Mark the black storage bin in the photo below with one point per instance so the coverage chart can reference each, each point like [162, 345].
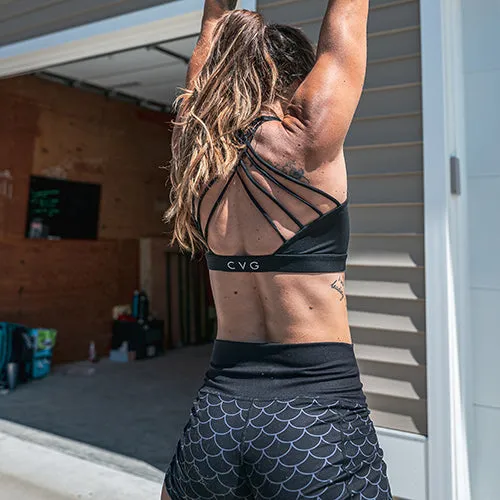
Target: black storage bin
[146, 339]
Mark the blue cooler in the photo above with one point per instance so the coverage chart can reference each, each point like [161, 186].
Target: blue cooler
[44, 340]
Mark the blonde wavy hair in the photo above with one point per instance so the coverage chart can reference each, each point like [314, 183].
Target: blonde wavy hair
[249, 66]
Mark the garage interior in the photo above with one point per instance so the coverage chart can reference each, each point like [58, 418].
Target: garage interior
[102, 121]
[106, 120]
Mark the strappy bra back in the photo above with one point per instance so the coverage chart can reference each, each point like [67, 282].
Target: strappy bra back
[317, 247]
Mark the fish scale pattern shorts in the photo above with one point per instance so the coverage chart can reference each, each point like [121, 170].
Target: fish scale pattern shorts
[234, 448]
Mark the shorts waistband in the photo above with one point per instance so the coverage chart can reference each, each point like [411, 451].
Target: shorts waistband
[273, 370]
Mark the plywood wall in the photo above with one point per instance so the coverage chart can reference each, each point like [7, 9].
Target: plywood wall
[18, 130]
[51, 130]
[68, 285]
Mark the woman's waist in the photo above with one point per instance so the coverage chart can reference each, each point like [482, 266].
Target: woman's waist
[274, 370]
[278, 326]
[281, 308]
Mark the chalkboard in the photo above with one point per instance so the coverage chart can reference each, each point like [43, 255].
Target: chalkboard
[60, 209]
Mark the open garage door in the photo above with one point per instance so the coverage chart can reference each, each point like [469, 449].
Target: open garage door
[170, 20]
[140, 54]
[150, 75]
[24, 19]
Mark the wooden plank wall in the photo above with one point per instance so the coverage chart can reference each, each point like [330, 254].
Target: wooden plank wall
[47, 129]
[68, 285]
[51, 130]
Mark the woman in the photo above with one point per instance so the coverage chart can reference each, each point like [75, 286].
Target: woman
[259, 183]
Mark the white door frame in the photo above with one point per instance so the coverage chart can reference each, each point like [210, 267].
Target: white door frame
[446, 251]
[140, 28]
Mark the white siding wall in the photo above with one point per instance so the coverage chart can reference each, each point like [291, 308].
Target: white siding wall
[481, 21]
[385, 279]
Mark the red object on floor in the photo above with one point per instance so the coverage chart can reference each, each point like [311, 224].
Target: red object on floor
[127, 317]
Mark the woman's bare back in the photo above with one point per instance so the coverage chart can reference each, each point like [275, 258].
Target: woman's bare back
[275, 307]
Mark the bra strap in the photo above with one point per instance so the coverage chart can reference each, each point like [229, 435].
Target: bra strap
[254, 126]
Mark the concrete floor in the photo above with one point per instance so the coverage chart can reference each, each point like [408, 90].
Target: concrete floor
[19, 489]
[38, 466]
[105, 436]
[137, 410]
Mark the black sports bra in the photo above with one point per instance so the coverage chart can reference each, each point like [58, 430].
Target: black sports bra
[318, 247]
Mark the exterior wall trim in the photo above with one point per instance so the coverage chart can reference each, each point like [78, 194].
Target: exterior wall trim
[407, 475]
[445, 224]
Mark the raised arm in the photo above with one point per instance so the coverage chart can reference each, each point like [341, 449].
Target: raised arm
[325, 103]
[214, 10]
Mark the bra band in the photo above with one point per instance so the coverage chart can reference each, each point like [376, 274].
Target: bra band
[307, 264]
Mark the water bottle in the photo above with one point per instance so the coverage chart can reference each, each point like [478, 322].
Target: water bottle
[12, 373]
[135, 304]
[92, 353]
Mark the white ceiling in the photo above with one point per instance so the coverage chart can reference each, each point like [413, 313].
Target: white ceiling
[145, 73]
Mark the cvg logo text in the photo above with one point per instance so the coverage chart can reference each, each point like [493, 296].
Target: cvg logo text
[243, 265]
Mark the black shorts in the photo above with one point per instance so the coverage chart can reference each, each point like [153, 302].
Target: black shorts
[267, 443]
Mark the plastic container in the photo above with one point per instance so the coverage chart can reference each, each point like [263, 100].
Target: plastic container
[44, 340]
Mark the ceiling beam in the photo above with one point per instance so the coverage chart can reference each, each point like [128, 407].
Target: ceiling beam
[132, 49]
[109, 93]
[170, 53]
